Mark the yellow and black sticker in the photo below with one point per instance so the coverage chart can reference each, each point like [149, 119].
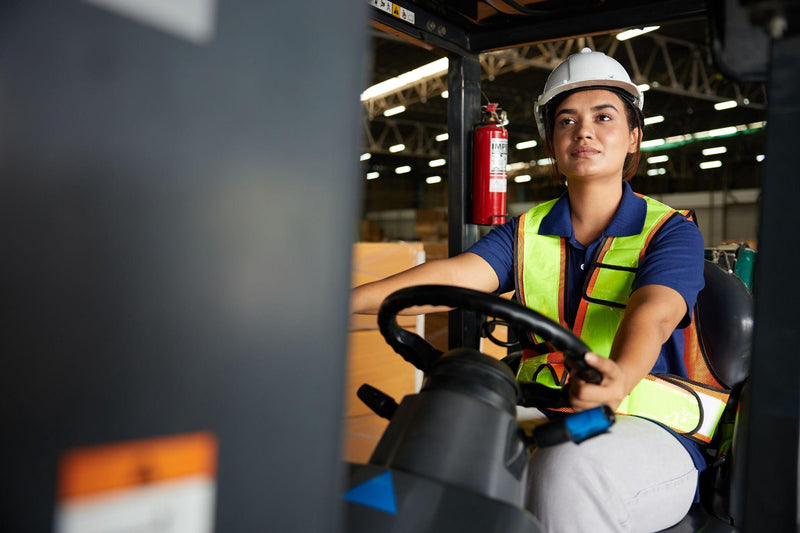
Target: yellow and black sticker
[394, 10]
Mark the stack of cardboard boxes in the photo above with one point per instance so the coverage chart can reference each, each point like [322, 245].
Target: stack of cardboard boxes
[370, 359]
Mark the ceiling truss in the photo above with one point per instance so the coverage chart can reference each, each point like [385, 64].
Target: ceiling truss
[418, 138]
[668, 65]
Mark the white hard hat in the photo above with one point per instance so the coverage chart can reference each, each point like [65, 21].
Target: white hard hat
[585, 69]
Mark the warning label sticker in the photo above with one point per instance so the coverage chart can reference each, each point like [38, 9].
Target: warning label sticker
[394, 9]
[498, 156]
[165, 484]
[498, 185]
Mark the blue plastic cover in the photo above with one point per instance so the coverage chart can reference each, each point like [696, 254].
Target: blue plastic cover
[587, 423]
[377, 492]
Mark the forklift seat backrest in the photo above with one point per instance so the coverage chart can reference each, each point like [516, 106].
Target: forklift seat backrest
[724, 319]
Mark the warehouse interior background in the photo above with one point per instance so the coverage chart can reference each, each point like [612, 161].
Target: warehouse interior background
[703, 147]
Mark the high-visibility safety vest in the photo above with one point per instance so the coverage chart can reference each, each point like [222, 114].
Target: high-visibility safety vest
[691, 407]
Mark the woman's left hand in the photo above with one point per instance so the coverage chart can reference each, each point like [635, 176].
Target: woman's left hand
[610, 391]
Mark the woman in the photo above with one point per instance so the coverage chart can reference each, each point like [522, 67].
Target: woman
[640, 476]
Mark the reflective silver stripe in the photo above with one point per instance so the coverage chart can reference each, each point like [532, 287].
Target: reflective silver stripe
[712, 412]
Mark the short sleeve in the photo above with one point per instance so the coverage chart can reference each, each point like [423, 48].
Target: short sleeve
[497, 249]
[675, 260]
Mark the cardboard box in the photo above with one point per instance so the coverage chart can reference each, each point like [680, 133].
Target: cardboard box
[370, 359]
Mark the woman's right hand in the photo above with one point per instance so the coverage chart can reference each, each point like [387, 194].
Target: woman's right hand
[610, 391]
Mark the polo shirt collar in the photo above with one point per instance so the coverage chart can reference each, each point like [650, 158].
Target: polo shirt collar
[627, 221]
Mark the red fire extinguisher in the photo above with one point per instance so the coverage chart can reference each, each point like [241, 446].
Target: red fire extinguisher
[489, 180]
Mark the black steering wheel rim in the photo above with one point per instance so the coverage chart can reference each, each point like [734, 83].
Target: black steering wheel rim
[421, 354]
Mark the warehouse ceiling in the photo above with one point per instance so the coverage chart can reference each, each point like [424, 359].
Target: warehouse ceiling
[674, 61]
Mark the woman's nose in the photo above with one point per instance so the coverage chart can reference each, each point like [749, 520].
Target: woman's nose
[584, 131]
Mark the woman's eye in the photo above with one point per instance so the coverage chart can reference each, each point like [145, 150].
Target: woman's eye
[603, 116]
[566, 121]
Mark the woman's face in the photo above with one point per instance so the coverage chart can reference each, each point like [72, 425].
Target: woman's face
[591, 136]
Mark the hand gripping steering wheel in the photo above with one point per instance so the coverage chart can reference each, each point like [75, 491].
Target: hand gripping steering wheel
[422, 355]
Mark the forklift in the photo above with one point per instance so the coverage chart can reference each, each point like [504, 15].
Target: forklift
[428, 462]
[177, 199]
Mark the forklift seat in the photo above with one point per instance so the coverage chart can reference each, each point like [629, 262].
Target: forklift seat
[724, 321]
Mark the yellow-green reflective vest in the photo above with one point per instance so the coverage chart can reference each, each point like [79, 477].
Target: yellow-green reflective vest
[691, 406]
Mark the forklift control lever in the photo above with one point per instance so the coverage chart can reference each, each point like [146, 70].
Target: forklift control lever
[381, 403]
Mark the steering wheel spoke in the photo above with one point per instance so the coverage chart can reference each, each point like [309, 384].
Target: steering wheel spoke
[422, 355]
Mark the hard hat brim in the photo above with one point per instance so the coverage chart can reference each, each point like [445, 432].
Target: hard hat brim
[618, 87]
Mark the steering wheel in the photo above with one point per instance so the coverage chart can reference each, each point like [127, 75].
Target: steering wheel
[422, 355]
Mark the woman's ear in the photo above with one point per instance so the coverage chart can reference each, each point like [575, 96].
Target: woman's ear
[635, 141]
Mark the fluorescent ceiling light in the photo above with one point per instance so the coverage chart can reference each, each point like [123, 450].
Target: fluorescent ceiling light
[397, 148]
[526, 144]
[714, 151]
[517, 166]
[435, 69]
[430, 180]
[760, 157]
[372, 175]
[653, 120]
[719, 106]
[644, 87]
[366, 156]
[658, 159]
[442, 137]
[719, 132]
[678, 138]
[445, 94]
[437, 163]
[656, 171]
[710, 164]
[630, 34]
[522, 178]
[545, 161]
[652, 142]
[402, 170]
[394, 111]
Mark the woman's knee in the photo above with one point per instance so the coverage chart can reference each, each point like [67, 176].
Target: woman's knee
[569, 490]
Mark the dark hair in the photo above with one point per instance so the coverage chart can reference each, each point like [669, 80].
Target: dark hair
[632, 113]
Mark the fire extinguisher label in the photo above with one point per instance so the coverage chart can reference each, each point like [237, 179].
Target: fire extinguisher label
[498, 185]
[498, 156]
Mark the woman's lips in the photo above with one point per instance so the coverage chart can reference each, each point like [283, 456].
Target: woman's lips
[584, 151]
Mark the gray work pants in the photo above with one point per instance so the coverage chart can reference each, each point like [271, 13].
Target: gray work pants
[635, 478]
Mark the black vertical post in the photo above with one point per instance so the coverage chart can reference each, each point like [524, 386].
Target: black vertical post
[463, 111]
[176, 222]
[769, 486]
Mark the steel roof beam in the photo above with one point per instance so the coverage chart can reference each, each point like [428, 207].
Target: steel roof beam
[419, 138]
[691, 75]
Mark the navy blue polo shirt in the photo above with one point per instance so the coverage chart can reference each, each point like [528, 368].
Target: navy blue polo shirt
[675, 260]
